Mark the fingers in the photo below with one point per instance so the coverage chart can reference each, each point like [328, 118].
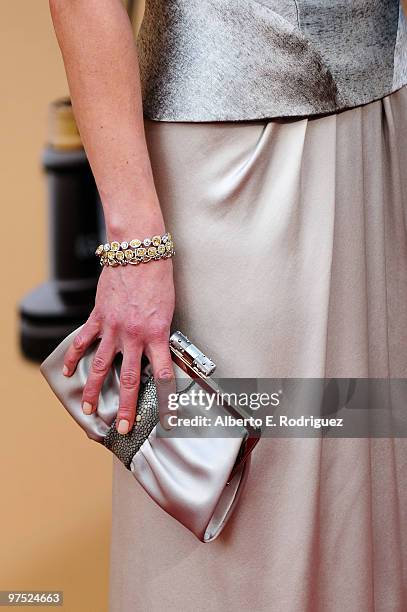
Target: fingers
[99, 369]
[129, 387]
[81, 342]
[131, 345]
[160, 358]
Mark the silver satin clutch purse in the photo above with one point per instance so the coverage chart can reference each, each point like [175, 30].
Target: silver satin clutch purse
[196, 479]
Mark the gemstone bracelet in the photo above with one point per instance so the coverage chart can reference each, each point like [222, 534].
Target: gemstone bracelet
[136, 251]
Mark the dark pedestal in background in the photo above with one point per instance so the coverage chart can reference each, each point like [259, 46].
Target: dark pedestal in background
[51, 311]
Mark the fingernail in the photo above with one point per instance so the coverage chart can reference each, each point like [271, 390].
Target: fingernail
[87, 408]
[65, 370]
[123, 426]
[165, 422]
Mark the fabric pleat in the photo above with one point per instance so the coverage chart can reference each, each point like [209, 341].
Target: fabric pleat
[291, 262]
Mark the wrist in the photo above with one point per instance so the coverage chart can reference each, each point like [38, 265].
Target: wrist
[134, 226]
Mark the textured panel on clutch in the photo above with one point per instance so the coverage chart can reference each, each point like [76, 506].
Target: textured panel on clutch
[126, 446]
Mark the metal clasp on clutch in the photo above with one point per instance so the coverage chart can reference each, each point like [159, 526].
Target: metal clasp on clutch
[191, 355]
[197, 365]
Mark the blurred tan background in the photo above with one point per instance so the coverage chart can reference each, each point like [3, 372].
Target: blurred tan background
[56, 484]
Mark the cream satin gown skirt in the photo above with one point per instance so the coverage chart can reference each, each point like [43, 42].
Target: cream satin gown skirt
[291, 261]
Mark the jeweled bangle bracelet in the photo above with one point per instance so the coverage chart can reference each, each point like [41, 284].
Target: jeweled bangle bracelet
[136, 251]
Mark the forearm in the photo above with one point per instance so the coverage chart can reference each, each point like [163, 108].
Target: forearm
[97, 45]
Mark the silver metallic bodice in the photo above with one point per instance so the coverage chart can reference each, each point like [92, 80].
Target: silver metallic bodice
[220, 60]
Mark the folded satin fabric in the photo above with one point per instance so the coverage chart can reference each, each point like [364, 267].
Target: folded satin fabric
[188, 477]
[292, 259]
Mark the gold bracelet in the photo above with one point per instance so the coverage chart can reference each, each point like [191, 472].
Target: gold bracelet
[136, 251]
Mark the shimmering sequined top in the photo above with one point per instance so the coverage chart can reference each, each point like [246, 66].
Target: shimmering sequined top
[220, 60]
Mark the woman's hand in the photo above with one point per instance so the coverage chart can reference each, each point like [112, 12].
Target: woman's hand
[134, 304]
[132, 315]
